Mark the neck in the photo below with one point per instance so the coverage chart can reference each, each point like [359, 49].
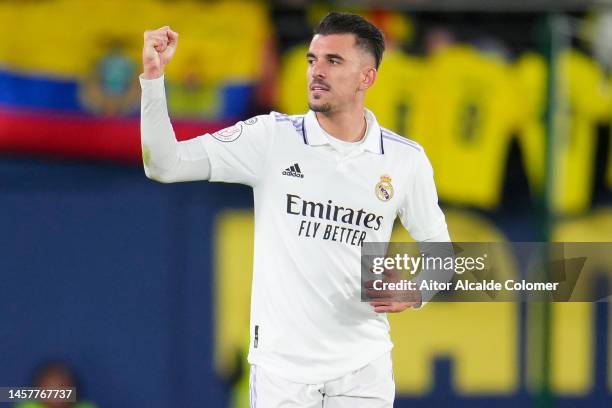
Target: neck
[348, 126]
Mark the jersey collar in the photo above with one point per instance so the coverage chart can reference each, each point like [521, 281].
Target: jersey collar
[314, 135]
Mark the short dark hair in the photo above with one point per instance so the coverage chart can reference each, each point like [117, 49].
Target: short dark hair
[368, 36]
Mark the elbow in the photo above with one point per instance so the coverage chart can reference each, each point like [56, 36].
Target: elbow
[156, 169]
[158, 175]
[151, 173]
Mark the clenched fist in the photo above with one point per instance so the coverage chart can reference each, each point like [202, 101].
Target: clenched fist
[159, 47]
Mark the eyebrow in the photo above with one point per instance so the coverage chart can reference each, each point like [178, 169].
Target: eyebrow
[328, 56]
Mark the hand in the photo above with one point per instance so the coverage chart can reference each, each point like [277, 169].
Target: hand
[392, 301]
[158, 50]
[392, 307]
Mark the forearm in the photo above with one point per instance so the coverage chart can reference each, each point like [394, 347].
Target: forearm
[441, 237]
[438, 246]
[164, 158]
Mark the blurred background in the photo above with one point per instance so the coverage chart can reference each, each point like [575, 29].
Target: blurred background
[139, 292]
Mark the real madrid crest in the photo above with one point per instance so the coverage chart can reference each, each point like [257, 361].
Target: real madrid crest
[384, 189]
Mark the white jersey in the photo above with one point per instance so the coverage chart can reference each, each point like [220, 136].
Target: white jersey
[314, 208]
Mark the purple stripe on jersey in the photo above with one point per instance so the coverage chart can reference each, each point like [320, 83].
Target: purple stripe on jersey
[391, 134]
[382, 149]
[297, 125]
[402, 142]
[398, 137]
[281, 117]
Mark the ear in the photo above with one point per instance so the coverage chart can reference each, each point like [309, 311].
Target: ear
[368, 78]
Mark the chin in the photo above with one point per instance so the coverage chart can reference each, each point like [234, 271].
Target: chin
[319, 107]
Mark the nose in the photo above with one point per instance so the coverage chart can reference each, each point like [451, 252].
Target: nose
[317, 70]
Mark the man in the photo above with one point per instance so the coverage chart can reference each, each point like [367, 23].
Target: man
[324, 183]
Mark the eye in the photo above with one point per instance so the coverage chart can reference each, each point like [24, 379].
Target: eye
[310, 61]
[334, 62]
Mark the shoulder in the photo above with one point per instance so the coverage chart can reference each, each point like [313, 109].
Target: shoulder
[400, 144]
[285, 118]
[276, 119]
[284, 122]
[404, 152]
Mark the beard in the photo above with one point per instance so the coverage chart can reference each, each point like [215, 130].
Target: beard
[322, 108]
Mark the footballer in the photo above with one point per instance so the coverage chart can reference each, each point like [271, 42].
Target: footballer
[324, 183]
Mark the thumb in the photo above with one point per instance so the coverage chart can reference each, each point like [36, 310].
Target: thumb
[172, 38]
[171, 47]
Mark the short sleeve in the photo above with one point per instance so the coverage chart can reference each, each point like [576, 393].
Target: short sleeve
[419, 212]
[238, 154]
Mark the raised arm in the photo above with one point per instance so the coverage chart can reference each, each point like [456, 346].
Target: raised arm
[165, 159]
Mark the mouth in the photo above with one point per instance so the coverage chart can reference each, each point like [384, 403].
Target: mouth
[319, 88]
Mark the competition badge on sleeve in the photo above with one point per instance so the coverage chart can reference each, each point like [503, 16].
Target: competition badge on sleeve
[228, 134]
[384, 189]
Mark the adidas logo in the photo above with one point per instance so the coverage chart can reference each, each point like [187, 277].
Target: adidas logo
[293, 171]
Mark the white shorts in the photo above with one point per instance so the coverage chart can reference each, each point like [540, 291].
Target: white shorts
[371, 386]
